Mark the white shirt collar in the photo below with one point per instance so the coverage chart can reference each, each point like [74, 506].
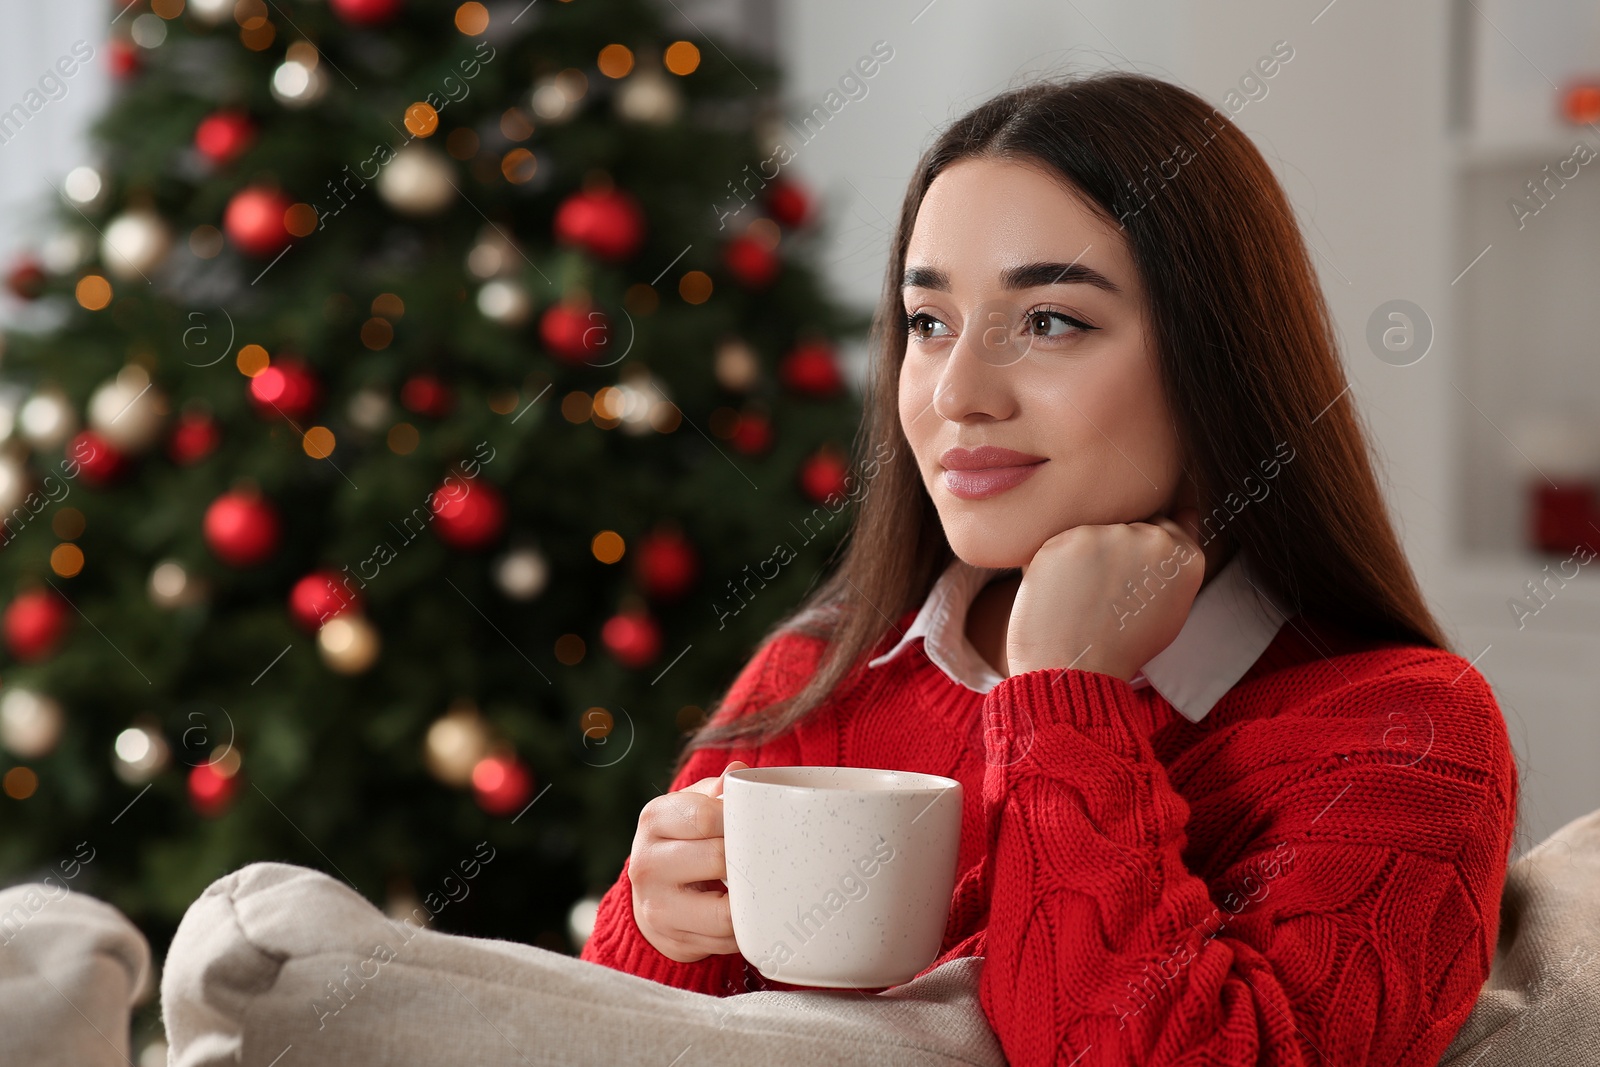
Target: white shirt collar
[1230, 624]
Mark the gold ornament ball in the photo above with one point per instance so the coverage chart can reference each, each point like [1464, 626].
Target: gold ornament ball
[556, 96]
[522, 573]
[737, 367]
[492, 254]
[47, 419]
[30, 723]
[134, 245]
[348, 643]
[419, 180]
[369, 410]
[14, 482]
[65, 252]
[128, 411]
[455, 743]
[211, 12]
[172, 586]
[140, 753]
[649, 97]
[580, 919]
[299, 82]
[505, 301]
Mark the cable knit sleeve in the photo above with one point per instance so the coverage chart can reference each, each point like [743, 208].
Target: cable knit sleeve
[616, 940]
[1352, 916]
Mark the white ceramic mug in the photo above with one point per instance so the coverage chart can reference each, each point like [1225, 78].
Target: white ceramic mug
[840, 876]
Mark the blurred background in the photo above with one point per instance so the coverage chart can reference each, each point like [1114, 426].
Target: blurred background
[402, 400]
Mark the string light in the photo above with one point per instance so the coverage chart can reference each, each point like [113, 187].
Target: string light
[682, 57]
[318, 442]
[93, 292]
[607, 546]
[472, 18]
[615, 61]
[421, 119]
[252, 360]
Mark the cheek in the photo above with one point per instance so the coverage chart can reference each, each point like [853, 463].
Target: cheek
[1112, 417]
[916, 406]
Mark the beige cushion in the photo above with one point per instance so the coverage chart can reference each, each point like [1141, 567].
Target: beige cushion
[1541, 1004]
[280, 964]
[71, 969]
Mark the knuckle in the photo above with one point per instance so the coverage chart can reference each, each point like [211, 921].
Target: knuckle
[648, 912]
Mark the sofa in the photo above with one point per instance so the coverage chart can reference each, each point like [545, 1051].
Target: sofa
[72, 969]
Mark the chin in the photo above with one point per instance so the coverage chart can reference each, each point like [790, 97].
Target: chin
[990, 547]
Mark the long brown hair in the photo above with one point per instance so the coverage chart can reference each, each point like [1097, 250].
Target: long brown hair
[1247, 355]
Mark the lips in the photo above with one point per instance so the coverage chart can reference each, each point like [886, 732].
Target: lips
[976, 473]
[985, 457]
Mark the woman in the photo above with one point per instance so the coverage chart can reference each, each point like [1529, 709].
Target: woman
[1121, 567]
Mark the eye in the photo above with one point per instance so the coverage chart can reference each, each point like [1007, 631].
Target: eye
[1044, 323]
[924, 327]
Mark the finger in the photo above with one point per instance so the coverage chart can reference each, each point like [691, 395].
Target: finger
[684, 815]
[1182, 535]
[704, 915]
[686, 861]
[712, 784]
[697, 946]
[735, 765]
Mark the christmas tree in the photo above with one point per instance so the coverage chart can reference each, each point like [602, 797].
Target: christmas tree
[417, 413]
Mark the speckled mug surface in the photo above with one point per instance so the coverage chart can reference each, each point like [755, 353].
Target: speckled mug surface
[839, 876]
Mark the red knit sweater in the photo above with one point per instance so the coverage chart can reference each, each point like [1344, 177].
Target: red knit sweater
[1309, 875]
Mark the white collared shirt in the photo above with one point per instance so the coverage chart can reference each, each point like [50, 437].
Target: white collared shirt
[1230, 624]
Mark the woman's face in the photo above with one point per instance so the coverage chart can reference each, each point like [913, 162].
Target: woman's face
[1028, 332]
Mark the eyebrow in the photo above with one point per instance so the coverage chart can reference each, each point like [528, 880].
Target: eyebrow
[1027, 276]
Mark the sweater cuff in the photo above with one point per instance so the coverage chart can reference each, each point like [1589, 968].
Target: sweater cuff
[1102, 707]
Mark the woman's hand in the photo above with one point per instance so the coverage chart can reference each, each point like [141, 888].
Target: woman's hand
[676, 868]
[1076, 608]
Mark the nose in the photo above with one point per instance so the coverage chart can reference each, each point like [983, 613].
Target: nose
[974, 383]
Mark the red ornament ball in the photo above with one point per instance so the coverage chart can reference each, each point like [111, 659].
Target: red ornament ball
[574, 333]
[223, 136]
[812, 369]
[1580, 103]
[822, 475]
[34, 624]
[286, 388]
[470, 514]
[666, 564]
[254, 223]
[210, 791]
[194, 437]
[26, 279]
[99, 463]
[753, 264]
[125, 61]
[318, 597]
[501, 784]
[788, 203]
[366, 12]
[633, 638]
[426, 394]
[608, 224]
[241, 528]
[752, 434]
